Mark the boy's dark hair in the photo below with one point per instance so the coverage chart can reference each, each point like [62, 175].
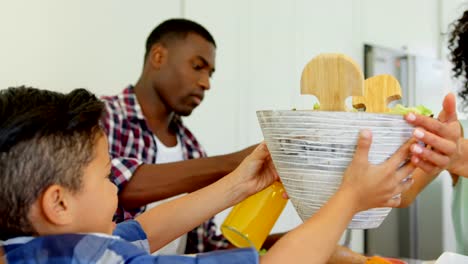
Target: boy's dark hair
[46, 138]
[177, 28]
[458, 46]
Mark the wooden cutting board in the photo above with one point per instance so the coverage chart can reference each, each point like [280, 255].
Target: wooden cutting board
[379, 91]
[332, 78]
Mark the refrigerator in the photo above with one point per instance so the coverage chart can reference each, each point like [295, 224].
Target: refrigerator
[422, 231]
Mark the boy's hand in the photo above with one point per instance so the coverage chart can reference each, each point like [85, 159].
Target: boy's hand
[256, 172]
[377, 185]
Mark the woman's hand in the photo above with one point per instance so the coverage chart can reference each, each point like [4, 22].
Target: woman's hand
[377, 185]
[448, 150]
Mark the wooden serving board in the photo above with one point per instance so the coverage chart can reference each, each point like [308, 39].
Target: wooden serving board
[379, 91]
[332, 78]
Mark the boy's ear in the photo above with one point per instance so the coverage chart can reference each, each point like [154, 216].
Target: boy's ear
[56, 205]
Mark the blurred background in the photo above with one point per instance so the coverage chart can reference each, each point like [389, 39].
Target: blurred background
[263, 46]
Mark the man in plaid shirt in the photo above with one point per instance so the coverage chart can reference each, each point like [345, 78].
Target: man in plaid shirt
[154, 156]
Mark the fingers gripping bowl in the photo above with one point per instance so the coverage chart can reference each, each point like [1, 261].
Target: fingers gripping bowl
[311, 150]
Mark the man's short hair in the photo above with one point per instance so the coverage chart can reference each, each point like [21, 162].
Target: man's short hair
[46, 138]
[177, 28]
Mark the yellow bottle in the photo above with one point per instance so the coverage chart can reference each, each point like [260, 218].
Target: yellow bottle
[250, 222]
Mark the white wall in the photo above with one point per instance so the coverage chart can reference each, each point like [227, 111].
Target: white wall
[262, 47]
[62, 45]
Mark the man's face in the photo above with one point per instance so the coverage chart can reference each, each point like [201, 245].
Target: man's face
[96, 202]
[185, 75]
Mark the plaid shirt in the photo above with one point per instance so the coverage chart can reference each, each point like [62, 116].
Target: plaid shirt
[132, 143]
[128, 245]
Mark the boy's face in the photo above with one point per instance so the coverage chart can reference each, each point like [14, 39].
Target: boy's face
[95, 204]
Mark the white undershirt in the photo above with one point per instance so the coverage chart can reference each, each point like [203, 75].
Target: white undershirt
[165, 155]
[168, 154]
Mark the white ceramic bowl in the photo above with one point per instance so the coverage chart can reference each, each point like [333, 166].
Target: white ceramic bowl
[311, 150]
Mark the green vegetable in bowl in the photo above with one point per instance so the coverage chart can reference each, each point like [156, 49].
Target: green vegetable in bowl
[402, 110]
[317, 107]
[398, 110]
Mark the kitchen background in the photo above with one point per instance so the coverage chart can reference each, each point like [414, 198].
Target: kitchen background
[262, 47]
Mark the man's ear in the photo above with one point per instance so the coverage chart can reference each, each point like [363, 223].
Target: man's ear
[157, 56]
[57, 205]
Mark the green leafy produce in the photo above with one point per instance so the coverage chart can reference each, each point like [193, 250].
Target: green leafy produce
[402, 110]
[398, 110]
[262, 252]
[317, 107]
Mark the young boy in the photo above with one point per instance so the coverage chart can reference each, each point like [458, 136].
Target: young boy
[57, 203]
